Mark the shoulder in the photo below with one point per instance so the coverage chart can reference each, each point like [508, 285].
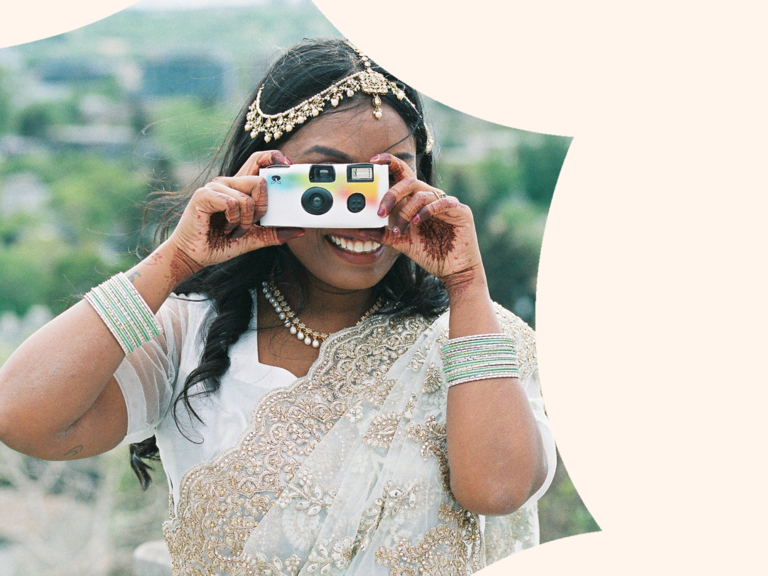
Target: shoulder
[525, 338]
[188, 304]
[182, 313]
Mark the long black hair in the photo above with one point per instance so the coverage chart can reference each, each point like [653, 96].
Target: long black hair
[299, 73]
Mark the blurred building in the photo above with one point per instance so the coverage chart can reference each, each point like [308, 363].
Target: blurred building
[22, 193]
[209, 77]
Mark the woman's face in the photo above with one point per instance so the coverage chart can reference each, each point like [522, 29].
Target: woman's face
[348, 135]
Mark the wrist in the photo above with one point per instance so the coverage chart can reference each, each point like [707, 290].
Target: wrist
[181, 265]
[470, 283]
[163, 270]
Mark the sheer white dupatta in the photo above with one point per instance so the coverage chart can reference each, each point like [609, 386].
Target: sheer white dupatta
[345, 471]
[373, 496]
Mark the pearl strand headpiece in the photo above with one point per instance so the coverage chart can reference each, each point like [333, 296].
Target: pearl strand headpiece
[369, 81]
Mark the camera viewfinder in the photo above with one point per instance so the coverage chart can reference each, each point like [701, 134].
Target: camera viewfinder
[322, 173]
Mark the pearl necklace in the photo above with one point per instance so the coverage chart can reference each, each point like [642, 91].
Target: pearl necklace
[292, 322]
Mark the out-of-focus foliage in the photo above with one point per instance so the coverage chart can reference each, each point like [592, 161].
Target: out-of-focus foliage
[188, 130]
[5, 102]
[83, 229]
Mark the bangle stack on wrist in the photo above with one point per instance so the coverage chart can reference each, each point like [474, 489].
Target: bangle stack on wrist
[479, 357]
[124, 311]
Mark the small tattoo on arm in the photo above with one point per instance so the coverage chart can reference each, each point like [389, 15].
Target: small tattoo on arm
[74, 451]
[133, 276]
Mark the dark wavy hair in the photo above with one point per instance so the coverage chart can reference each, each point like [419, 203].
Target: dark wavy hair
[299, 73]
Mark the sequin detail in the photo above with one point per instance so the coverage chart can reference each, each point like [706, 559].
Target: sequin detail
[221, 501]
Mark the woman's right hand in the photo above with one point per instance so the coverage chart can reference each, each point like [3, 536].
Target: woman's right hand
[219, 223]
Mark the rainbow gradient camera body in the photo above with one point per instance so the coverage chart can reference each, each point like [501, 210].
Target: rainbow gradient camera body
[325, 195]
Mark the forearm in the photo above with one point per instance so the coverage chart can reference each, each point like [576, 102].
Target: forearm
[57, 374]
[495, 450]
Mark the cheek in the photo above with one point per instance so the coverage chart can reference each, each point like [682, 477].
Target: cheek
[388, 258]
[307, 246]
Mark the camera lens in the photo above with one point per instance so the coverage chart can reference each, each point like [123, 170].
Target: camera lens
[317, 200]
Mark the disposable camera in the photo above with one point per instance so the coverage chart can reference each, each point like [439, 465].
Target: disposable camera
[325, 195]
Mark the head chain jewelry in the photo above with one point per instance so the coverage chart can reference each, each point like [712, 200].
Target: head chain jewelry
[368, 81]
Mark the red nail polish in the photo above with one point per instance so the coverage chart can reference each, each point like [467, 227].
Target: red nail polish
[375, 158]
[415, 219]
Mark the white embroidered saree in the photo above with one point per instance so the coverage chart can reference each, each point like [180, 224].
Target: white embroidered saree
[345, 470]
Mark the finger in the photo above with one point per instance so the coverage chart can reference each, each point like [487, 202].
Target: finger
[211, 202]
[260, 236]
[253, 186]
[398, 192]
[436, 207]
[387, 237]
[246, 204]
[411, 208]
[397, 168]
[262, 159]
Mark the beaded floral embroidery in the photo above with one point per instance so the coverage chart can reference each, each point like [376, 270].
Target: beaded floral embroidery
[226, 519]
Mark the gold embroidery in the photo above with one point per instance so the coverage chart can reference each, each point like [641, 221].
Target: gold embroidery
[320, 557]
[312, 498]
[222, 500]
[389, 504]
[432, 434]
[275, 567]
[525, 339]
[433, 437]
[434, 380]
[379, 392]
[505, 535]
[418, 359]
[453, 547]
[382, 430]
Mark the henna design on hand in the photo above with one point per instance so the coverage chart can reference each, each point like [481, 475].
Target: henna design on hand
[217, 231]
[439, 237]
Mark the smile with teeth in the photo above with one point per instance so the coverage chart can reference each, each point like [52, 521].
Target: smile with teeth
[356, 246]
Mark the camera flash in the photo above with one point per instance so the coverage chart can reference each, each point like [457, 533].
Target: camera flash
[362, 173]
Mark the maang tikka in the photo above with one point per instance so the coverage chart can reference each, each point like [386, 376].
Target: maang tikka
[368, 81]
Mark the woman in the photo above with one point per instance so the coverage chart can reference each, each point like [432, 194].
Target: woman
[371, 436]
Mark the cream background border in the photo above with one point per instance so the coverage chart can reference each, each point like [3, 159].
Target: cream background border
[652, 287]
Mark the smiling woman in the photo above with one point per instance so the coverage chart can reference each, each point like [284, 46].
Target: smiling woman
[339, 400]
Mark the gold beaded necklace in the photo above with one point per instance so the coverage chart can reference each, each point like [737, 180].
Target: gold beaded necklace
[291, 321]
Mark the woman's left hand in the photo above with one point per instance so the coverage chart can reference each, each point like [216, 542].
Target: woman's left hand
[436, 231]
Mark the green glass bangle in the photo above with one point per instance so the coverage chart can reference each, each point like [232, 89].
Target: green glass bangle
[479, 357]
[124, 312]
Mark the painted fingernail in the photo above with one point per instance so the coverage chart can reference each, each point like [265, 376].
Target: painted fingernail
[287, 161]
[415, 219]
[396, 231]
[382, 211]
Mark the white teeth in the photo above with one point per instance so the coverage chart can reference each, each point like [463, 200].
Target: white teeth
[357, 246]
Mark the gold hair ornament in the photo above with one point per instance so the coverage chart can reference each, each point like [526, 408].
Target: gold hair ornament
[368, 81]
